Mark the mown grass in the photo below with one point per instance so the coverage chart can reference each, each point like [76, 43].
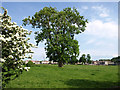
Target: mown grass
[69, 76]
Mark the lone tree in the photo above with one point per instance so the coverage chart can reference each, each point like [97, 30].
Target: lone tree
[58, 29]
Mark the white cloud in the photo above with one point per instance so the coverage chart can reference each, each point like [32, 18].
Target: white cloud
[99, 43]
[85, 7]
[39, 53]
[108, 19]
[102, 11]
[82, 9]
[104, 15]
[99, 53]
[90, 41]
[100, 29]
[115, 55]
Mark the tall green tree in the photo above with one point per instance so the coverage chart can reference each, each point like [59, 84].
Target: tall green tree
[82, 59]
[58, 29]
[88, 59]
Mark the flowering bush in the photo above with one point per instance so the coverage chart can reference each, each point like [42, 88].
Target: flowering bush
[15, 46]
[27, 68]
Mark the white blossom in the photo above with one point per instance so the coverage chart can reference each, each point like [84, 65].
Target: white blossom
[20, 51]
[21, 68]
[17, 35]
[2, 60]
[20, 56]
[8, 39]
[27, 50]
[27, 68]
[14, 23]
[30, 56]
[15, 43]
[10, 56]
[15, 62]
[1, 38]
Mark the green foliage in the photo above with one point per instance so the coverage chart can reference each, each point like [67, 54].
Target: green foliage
[30, 64]
[88, 59]
[58, 29]
[84, 59]
[104, 59]
[73, 60]
[40, 62]
[24, 63]
[116, 60]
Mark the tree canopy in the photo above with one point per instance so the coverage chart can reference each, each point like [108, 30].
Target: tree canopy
[116, 60]
[88, 59]
[85, 58]
[58, 28]
[82, 59]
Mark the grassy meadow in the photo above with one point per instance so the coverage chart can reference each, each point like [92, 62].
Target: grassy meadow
[69, 76]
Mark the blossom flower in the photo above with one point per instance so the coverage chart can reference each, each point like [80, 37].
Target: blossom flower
[27, 68]
[8, 39]
[10, 56]
[2, 60]
[15, 43]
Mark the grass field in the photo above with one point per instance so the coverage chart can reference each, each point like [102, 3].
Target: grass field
[69, 76]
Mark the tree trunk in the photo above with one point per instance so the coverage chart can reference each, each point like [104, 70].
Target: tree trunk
[60, 63]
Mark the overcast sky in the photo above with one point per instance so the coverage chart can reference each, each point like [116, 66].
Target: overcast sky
[100, 38]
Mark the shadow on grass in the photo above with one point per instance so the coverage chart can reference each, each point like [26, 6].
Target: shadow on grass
[82, 83]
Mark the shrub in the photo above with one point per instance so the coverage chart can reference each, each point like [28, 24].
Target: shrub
[30, 64]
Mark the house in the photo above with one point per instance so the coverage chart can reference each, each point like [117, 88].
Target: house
[51, 62]
[42, 62]
[102, 62]
[35, 62]
[94, 62]
[45, 62]
[111, 63]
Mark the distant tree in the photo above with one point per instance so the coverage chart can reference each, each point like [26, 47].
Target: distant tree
[58, 28]
[104, 59]
[40, 62]
[88, 59]
[73, 60]
[82, 59]
[30, 64]
[116, 59]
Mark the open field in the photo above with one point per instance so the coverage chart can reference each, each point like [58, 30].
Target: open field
[69, 76]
